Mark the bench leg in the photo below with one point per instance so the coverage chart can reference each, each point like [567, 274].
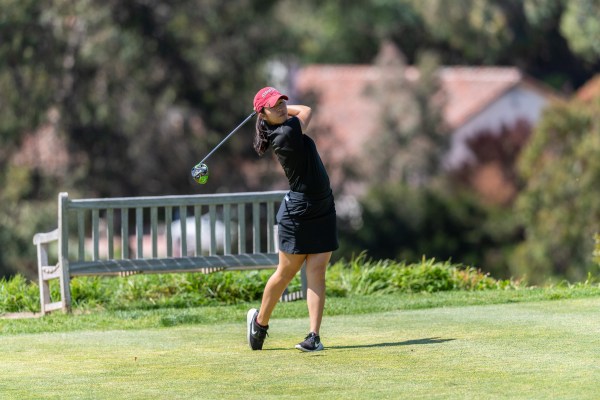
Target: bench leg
[65, 288]
[42, 253]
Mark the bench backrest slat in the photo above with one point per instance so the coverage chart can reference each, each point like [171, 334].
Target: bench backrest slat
[212, 210]
[256, 226]
[241, 228]
[124, 233]
[183, 219]
[155, 235]
[183, 200]
[110, 233]
[168, 227]
[270, 228]
[154, 230]
[96, 233]
[80, 235]
[139, 232]
[197, 230]
[227, 222]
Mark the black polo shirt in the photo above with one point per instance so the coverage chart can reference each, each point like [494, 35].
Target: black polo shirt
[297, 154]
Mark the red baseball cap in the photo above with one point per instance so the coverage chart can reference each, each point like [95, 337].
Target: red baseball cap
[267, 97]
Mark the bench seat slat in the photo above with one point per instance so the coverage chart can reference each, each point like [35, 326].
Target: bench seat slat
[180, 264]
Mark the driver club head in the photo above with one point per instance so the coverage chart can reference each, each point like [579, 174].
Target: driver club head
[200, 173]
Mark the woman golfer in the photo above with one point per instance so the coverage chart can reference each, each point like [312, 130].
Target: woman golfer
[306, 219]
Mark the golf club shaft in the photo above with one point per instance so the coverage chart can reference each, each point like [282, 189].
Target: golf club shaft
[228, 136]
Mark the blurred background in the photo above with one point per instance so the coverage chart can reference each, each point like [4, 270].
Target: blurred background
[466, 130]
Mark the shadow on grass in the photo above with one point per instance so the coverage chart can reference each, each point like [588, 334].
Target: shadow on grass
[433, 340]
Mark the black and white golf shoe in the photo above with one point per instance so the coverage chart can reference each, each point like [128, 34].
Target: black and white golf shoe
[312, 342]
[256, 333]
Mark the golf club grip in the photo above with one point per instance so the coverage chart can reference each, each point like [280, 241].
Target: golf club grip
[228, 136]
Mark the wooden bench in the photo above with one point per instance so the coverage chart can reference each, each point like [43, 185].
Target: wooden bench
[94, 237]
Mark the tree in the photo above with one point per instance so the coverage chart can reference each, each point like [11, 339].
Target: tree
[404, 223]
[476, 29]
[339, 31]
[558, 207]
[581, 26]
[136, 90]
[411, 139]
[409, 209]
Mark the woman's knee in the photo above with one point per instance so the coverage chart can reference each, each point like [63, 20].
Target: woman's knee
[289, 265]
[317, 262]
[284, 274]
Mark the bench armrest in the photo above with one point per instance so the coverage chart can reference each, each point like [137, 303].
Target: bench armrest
[47, 237]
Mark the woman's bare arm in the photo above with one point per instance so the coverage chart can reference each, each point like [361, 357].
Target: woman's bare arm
[304, 114]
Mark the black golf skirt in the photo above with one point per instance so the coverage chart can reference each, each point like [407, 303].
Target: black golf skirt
[307, 224]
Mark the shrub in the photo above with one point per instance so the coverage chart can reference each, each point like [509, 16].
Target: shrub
[597, 249]
[365, 276]
[400, 222]
[558, 206]
[17, 294]
[169, 290]
[359, 276]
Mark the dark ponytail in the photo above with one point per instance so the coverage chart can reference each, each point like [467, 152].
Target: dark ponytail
[261, 142]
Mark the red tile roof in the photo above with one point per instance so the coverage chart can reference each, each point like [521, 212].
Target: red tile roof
[344, 107]
[342, 104]
[467, 89]
[590, 90]
[344, 110]
[470, 89]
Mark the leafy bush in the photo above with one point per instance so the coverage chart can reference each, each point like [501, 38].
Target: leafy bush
[597, 249]
[360, 276]
[17, 294]
[363, 276]
[558, 207]
[400, 222]
[169, 290]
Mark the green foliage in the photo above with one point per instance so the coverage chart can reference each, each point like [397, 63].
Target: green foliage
[351, 32]
[19, 221]
[581, 26]
[169, 290]
[597, 249]
[18, 294]
[559, 206]
[365, 277]
[360, 276]
[411, 140]
[137, 90]
[406, 223]
[480, 28]
[28, 69]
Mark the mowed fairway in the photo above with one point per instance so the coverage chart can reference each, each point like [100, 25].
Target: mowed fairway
[548, 349]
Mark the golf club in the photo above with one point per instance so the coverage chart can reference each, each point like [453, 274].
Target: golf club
[200, 170]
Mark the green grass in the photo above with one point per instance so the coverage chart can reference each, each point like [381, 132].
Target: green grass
[534, 343]
[134, 318]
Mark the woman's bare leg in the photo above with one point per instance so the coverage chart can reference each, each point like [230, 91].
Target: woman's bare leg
[316, 266]
[288, 267]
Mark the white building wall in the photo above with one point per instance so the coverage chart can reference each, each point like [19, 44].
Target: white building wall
[519, 103]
